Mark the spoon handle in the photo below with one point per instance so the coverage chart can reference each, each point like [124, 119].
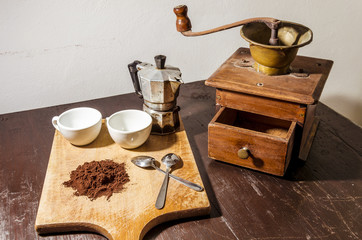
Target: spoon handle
[185, 182]
[161, 198]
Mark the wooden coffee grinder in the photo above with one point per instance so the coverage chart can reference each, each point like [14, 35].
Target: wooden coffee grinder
[266, 96]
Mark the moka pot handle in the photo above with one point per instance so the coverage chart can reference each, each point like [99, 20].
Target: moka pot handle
[132, 67]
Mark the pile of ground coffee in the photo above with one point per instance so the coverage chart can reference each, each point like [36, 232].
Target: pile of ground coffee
[98, 178]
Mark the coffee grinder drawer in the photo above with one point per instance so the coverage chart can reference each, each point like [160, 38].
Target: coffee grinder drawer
[251, 140]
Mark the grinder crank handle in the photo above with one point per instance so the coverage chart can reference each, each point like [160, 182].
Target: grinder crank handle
[183, 25]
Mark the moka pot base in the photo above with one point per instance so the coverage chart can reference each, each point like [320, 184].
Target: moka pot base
[163, 122]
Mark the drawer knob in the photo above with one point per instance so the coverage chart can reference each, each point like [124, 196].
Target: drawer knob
[243, 153]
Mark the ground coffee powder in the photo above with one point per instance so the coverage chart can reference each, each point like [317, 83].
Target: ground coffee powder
[98, 178]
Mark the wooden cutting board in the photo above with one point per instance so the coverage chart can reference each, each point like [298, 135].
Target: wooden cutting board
[130, 213]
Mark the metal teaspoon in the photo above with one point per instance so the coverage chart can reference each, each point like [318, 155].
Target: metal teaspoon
[147, 161]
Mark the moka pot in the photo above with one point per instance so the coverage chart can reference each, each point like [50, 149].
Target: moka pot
[159, 87]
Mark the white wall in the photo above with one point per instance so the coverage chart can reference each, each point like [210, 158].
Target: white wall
[62, 51]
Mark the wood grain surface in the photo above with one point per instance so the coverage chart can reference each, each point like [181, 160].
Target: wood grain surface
[260, 105]
[236, 74]
[130, 213]
[318, 199]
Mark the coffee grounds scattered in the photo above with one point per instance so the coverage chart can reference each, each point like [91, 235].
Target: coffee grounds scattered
[98, 178]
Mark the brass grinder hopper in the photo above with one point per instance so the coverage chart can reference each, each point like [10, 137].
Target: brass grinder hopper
[273, 43]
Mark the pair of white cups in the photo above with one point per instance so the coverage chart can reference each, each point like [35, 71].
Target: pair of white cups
[81, 126]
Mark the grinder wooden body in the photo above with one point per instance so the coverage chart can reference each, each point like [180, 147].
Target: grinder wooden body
[262, 122]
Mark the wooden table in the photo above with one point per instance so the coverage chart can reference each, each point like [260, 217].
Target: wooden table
[321, 199]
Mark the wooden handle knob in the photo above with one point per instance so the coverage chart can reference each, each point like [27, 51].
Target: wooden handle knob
[183, 22]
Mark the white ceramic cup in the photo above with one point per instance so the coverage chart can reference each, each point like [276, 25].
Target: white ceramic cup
[129, 128]
[80, 126]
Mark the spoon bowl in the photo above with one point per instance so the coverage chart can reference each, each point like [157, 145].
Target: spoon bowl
[143, 161]
[170, 159]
